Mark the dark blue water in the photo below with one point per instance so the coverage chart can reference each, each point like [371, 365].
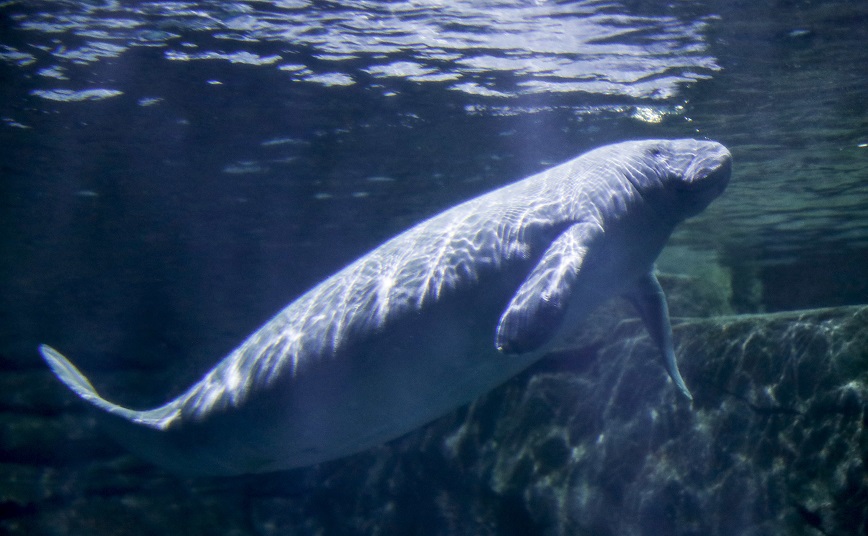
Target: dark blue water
[173, 173]
[190, 167]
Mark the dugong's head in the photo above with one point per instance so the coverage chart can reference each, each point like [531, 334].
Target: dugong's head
[685, 175]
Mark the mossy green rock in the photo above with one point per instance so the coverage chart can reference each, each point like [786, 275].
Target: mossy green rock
[593, 441]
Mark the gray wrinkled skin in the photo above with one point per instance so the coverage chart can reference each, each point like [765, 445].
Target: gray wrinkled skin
[435, 316]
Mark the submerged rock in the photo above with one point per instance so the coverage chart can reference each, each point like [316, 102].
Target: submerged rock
[594, 440]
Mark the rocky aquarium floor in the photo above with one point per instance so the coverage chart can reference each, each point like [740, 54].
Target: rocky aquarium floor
[593, 441]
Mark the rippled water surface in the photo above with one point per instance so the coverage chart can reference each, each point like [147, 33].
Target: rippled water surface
[191, 166]
[477, 47]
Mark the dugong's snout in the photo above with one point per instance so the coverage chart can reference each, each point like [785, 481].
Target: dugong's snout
[704, 178]
[710, 168]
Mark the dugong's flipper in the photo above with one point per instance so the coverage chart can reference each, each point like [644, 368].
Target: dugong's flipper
[649, 299]
[156, 418]
[541, 302]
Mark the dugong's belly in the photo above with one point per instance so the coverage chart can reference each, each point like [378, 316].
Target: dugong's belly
[377, 388]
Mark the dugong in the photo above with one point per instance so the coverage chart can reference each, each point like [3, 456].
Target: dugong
[434, 317]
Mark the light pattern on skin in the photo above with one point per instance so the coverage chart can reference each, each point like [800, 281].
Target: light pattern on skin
[436, 256]
[550, 216]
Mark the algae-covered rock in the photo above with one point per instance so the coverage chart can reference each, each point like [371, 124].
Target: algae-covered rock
[592, 441]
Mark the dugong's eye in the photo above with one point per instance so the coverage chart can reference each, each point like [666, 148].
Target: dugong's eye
[654, 152]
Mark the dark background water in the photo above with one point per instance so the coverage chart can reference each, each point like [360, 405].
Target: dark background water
[172, 174]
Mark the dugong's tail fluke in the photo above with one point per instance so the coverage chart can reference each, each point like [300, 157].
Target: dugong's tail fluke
[158, 418]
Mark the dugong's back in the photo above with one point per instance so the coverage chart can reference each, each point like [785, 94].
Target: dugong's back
[407, 332]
